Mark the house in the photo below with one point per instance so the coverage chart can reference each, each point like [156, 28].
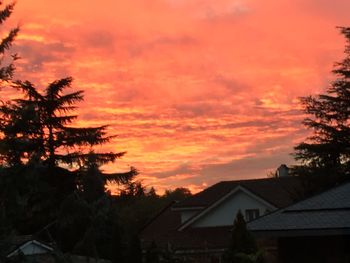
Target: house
[30, 248]
[27, 246]
[198, 228]
[316, 229]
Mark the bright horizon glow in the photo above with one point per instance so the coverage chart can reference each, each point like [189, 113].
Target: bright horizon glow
[197, 91]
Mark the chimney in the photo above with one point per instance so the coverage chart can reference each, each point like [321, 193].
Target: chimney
[282, 171]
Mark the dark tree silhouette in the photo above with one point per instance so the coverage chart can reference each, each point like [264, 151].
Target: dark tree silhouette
[37, 190]
[178, 194]
[6, 71]
[36, 144]
[241, 240]
[242, 247]
[36, 128]
[327, 151]
[50, 120]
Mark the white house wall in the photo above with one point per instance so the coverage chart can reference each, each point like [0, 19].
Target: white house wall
[225, 213]
[31, 248]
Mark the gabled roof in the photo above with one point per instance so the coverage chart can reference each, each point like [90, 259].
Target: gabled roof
[328, 211]
[163, 229]
[11, 243]
[20, 244]
[211, 207]
[279, 192]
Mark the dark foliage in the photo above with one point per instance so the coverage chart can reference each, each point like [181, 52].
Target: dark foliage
[242, 248]
[137, 206]
[178, 194]
[242, 241]
[326, 153]
[37, 128]
[34, 177]
[36, 187]
[6, 71]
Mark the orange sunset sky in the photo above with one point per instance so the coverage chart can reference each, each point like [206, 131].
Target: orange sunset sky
[198, 91]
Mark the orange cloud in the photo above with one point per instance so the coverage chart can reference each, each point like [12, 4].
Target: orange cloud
[198, 91]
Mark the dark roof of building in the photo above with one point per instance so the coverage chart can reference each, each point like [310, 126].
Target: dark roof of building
[163, 229]
[326, 211]
[279, 192]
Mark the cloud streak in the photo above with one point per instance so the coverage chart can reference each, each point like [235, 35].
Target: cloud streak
[198, 91]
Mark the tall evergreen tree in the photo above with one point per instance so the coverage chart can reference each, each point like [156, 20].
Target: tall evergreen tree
[6, 71]
[242, 247]
[52, 112]
[327, 151]
[38, 128]
[242, 241]
[36, 144]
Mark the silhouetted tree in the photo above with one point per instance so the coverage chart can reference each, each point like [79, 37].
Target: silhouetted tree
[242, 247]
[13, 190]
[92, 181]
[47, 119]
[73, 220]
[6, 71]
[178, 194]
[91, 228]
[37, 191]
[36, 144]
[36, 129]
[152, 193]
[134, 189]
[241, 239]
[327, 151]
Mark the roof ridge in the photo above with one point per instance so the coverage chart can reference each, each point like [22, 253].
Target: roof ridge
[256, 179]
[226, 186]
[316, 209]
[169, 205]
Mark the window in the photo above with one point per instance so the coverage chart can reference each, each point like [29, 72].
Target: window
[251, 214]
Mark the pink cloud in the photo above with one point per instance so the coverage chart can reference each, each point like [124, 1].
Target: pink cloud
[212, 84]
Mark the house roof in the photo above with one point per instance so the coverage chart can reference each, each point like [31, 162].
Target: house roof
[163, 229]
[217, 203]
[329, 210]
[279, 192]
